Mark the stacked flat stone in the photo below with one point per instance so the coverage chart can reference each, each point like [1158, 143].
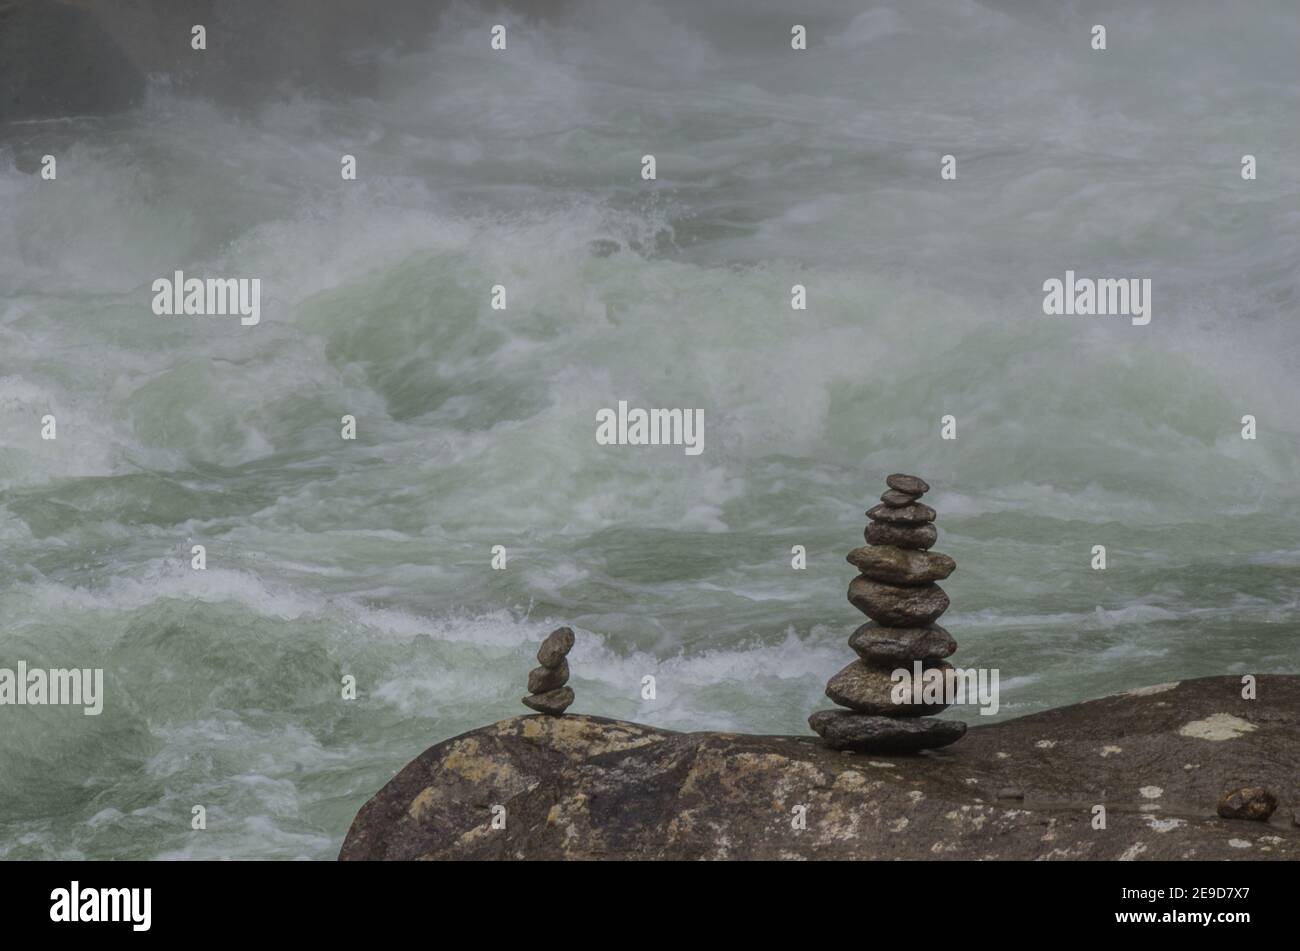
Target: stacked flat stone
[546, 684]
[897, 590]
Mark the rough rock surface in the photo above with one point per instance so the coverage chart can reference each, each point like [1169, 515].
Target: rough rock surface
[901, 645]
[882, 533]
[901, 565]
[896, 606]
[581, 787]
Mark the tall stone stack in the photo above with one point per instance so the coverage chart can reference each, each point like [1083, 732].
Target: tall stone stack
[897, 590]
[546, 684]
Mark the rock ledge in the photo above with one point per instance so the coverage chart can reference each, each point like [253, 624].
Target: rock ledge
[581, 787]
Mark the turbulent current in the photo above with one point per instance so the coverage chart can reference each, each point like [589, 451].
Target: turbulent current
[475, 427]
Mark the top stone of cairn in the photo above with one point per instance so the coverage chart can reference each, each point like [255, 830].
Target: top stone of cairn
[908, 484]
[556, 646]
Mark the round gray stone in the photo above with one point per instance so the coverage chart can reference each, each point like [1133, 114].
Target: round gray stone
[921, 536]
[542, 679]
[912, 485]
[895, 605]
[897, 499]
[557, 644]
[901, 565]
[870, 690]
[901, 645]
[553, 702]
[915, 514]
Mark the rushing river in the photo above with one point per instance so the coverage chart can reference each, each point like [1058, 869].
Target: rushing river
[475, 427]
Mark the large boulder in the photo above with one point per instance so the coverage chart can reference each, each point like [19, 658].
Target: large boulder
[57, 60]
[90, 57]
[580, 787]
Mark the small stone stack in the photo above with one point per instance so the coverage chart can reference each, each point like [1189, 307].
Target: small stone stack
[546, 684]
[897, 590]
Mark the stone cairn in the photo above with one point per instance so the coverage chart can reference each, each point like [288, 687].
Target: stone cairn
[897, 590]
[546, 684]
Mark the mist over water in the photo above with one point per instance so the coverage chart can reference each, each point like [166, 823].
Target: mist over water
[475, 427]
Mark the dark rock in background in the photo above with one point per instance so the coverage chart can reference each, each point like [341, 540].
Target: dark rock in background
[57, 60]
[92, 57]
